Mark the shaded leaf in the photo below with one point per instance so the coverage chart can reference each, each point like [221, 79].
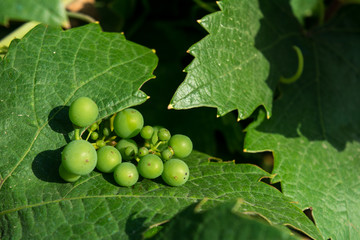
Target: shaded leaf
[221, 222]
[314, 132]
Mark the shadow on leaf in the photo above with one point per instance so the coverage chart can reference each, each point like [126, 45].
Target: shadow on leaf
[59, 121]
[315, 106]
[135, 226]
[46, 165]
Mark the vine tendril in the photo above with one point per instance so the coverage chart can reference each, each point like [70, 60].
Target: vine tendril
[299, 70]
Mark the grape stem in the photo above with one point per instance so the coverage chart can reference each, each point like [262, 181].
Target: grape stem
[110, 139]
[77, 134]
[112, 122]
[157, 145]
[81, 16]
[87, 138]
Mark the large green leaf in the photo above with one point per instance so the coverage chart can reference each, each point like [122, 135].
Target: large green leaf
[51, 12]
[314, 132]
[96, 207]
[229, 70]
[48, 69]
[221, 222]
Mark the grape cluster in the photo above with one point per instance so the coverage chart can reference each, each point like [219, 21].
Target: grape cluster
[122, 145]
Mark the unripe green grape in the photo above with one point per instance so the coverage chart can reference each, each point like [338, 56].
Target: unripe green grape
[143, 151]
[127, 148]
[108, 158]
[100, 143]
[164, 134]
[67, 176]
[83, 112]
[150, 166]
[181, 145]
[79, 157]
[166, 154]
[176, 172]
[128, 123]
[94, 126]
[106, 131]
[126, 174]
[94, 136]
[147, 132]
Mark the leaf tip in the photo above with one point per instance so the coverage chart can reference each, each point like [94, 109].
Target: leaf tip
[170, 106]
[198, 21]
[147, 97]
[245, 150]
[267, 116]
[153, 50]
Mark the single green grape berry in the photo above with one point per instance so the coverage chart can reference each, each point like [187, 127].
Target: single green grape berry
[181, 145]
[67, 176]
[164, 134]
[127, 148]
[100, 143]
[83, 112]
[108, 158]
[79, 157]
[106, 131]
[147, 132]
[166, 154]
[150, 166]
[176, 172]
[143, 151]
[94, 136]
[126, 174]
[94, 126]
[128, 123]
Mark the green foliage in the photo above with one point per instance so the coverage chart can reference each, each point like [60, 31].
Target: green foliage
[51, 12]
[221, 222]
[310, 125]
[316, 144]
[97, 206]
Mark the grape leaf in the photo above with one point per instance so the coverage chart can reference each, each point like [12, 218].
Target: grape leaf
[221, 222]
[229, 70]
[50, 12]
[96, 207]
[314, 132]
